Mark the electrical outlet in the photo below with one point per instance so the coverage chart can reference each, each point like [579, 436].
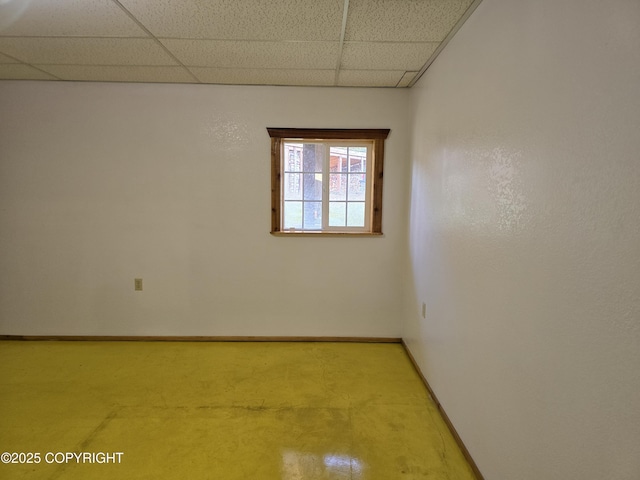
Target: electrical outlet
[137, 284]
[424, 310]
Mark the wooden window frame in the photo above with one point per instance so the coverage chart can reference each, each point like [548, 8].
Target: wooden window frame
[279, 135]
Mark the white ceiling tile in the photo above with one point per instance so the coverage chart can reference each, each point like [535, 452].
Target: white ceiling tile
[99, 18]
[19, 71]
[5, 59]
[264, 76]
[86, 51]
[101, 73]
[406, 79]
[386, 56]
[237, 20]
[271, 42]
[369, 78]
[403, 21]
[234, 54]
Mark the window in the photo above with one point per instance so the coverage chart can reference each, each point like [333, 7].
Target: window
[326, 181]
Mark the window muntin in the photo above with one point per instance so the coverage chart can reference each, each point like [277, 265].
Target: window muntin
[327, 181]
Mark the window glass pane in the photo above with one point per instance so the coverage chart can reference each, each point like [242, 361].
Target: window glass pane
[292, 217]
[339, 161]
[357, 186]
[355, 214]
[357, 159]
[313, 186]
[312, 157]
[337, 186]
[292, 187]
[292, 157]
[312, 216]
[337, 214]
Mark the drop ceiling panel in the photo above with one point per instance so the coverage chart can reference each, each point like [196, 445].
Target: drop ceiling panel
[386, 56]
[86, 51]
[95, 18]
[369, 78]
[100, 73]
[403, 21]
[264, 76]
[233, 54]
[272, 42]
[19, 71]
[241, 20]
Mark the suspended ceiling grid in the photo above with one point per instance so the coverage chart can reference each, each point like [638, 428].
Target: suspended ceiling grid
[367, 43]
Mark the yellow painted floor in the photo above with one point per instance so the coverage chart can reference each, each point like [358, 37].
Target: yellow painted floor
[223, 411]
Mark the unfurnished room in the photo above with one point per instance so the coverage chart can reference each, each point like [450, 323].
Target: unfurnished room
[320, 239]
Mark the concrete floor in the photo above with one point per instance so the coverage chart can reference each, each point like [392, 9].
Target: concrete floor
[223, 411]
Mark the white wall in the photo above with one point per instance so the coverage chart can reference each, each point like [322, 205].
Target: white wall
[102, 183]
[525, 240]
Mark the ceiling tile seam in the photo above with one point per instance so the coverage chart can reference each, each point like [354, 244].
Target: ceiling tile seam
[155, 39]
[125, 37]
[446, 40]
[20, 37]
[205, 83]
[415, 42]
[400, 79]
[365, 86]
[19, 62]
[240, 40]
[411, 72]
[268, 69]
[289, 85]
[110, 65]
[295, 68]
[43, 71]
[12, 58]
[400, 69]
[243, 40]
[294, 85]
[275, 69]
[343, 29]
[87, 65]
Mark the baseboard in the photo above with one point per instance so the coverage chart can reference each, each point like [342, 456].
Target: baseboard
[173, 338]
[445, 417]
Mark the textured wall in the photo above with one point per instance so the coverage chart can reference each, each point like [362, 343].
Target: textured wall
[102, 183]
[525, 237]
